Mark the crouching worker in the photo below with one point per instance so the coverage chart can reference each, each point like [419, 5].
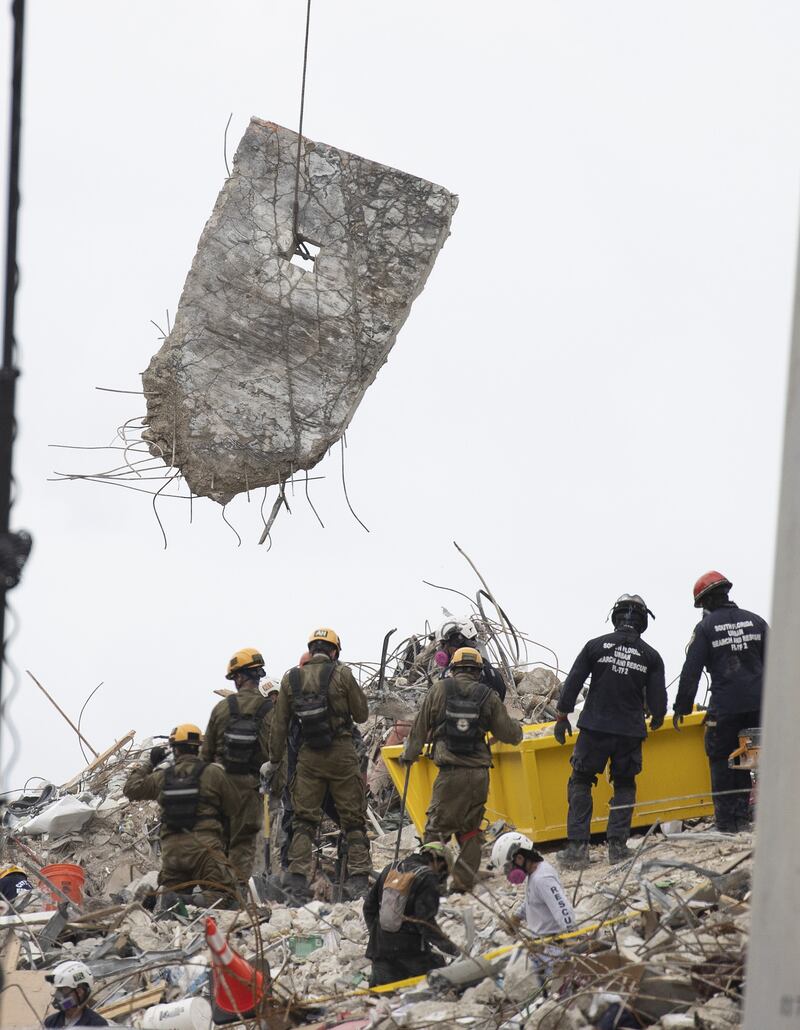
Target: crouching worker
[400, 912]
[196, 801]
[73, 988]
[546, 910]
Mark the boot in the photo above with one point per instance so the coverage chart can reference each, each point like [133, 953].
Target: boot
[296, 890]
[575, 855]
[356, 886]
[617, 850]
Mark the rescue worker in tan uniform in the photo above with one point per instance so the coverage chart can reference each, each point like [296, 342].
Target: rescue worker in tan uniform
[237, 738]
[325, 699]
[457, 713]
[196, 801]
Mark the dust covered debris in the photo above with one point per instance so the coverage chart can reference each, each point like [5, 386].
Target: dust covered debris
[267, 361]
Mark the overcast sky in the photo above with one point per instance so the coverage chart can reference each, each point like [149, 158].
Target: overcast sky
[588, 396]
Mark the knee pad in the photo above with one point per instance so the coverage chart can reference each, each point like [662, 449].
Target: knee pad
[582, 779]
[625, 783]
[356, 837]
[462, 838]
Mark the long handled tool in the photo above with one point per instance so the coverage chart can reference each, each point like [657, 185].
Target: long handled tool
[402, 812]
[267, 836]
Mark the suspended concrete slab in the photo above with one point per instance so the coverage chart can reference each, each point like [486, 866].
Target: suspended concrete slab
[270, 356]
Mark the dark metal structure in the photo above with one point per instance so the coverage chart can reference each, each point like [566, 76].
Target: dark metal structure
[14, 547]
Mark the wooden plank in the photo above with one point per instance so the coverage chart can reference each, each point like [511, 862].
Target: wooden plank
[100, 760]
[134, 1002]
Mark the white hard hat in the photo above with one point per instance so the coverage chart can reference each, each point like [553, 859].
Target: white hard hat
[464, 627]
[71, 975]
[505, 844]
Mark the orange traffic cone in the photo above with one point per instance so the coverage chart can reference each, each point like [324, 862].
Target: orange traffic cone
[238, 988]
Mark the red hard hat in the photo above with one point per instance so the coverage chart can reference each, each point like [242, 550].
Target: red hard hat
[709, 581]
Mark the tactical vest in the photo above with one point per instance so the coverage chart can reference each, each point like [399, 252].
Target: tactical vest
[240, 748]
[313, 710]
[462, 716]
[180, 797]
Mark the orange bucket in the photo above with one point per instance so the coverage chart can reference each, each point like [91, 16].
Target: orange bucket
[68, 878]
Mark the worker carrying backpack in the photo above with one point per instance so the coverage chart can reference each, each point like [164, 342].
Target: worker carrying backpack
[180, 796]
[313, 710]
[462, 717]
[240, 750]
[396, 890]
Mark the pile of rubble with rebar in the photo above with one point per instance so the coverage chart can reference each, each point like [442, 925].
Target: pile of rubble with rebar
[659, 939]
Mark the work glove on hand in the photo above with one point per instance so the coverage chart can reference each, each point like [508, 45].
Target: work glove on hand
[157, 755]
[447, 947]
[561, 729]
[677, 719]
[656, 722]
[405, 761]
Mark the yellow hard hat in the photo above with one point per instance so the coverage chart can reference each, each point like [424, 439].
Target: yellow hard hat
[9, 869]
[247, 658]
[186, 733]
[467, 656]
[327, 636]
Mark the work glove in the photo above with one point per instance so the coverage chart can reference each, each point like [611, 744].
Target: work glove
[267, 773]
[157, 755]
[561, 729]
[656, 722]
[404, 760]
[447, 947]
[677, 719]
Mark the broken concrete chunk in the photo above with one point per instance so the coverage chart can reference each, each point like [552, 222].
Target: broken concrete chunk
[268, 361]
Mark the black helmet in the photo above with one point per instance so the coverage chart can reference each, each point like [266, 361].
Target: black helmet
[631, 612]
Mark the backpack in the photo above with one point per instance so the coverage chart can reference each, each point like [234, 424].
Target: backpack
[313, 710]
[180, 796]
[461, 718]
[240, 750]
[396, 889]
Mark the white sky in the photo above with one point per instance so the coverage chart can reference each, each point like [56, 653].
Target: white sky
[588, 395]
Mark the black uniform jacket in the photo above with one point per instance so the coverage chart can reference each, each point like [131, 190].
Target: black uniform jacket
[423, 903]
[625, 674]
[730, 642]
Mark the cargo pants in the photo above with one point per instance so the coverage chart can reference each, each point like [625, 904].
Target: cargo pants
[196, 857]
[335, 769]
[593, 750]
[457, 807]
[246, 825]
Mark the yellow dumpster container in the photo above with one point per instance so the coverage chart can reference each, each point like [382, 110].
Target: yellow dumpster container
[528, 784]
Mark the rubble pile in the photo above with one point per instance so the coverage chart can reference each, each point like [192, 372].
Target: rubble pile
[660, 939]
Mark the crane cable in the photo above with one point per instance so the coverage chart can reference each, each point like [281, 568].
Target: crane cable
[298, 242]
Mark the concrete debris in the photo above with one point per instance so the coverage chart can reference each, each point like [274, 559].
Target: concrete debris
[660, 939]
[267, 360]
